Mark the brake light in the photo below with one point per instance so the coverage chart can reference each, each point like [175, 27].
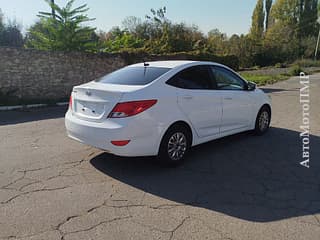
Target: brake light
[127, 109]
[70, 102]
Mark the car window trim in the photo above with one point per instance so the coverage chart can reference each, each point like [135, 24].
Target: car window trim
[233, 74]
[102, 79]
[207, 67]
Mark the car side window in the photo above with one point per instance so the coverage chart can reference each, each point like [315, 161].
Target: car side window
[227, 80]
[197, 77]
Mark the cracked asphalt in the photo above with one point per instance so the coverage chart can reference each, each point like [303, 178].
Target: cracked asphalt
[239, 187]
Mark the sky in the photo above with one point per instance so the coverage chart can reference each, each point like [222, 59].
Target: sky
[229, 16]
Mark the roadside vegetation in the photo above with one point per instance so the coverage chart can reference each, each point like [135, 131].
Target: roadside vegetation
[280, 72]
[264, 79]
[282, 33]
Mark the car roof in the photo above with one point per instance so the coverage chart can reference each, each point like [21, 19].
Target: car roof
[164, 64]
[174, 63]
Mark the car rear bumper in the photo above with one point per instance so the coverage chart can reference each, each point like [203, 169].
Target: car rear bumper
[144, 140]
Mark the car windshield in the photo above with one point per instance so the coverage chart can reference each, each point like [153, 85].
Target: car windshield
[133, 75]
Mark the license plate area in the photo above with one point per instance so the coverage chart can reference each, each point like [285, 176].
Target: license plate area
[89, 109]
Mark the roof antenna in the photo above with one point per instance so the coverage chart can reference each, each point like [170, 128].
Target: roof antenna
[145, 64]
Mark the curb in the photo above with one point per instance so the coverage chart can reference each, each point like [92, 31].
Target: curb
[18, 107]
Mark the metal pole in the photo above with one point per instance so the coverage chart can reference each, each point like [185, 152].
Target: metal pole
[53, 11]
[316, 51]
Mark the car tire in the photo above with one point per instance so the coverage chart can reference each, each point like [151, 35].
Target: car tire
[262, 121]
[175, 145]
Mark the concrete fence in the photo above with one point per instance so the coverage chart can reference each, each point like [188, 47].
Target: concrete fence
[31, 76]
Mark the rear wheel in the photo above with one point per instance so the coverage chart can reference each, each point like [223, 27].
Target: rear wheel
[263, 121]
[175, 145]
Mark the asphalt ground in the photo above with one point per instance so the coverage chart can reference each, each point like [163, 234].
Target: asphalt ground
[239, 187]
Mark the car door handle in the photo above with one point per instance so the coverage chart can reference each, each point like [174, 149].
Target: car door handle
[228, 98]
[188, 97]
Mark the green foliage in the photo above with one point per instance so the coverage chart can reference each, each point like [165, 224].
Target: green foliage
[307, 25]
[257, 27]
[263, 79]
[281, 31]
[280, 65]
[291, 32]
[216, 42]
[155, 35]
[295, 70]
[231, 61]
[64, 30]
[121, 40]
[306, 63]
[138, 55]
[299, 15]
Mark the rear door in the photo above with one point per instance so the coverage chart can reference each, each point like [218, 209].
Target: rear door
[198, 101]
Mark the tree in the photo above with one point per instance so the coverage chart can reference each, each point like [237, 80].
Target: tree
[286, 11]
[268, 5]
[131, 24]
[178, 37]
[120, 40]
[10, 33]
[1, 20]
[257, 27]
[52, 10]
[281, 37]
[158, 16]
[63, 29]
[156, 34]
[157, 23]
[1, 27]
[216, 41]
[308, 17]
[294, 24]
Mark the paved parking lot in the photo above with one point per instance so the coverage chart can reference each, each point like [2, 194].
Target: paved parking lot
[240, 187]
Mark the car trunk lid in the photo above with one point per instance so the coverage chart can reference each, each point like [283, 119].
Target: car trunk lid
[94, 101]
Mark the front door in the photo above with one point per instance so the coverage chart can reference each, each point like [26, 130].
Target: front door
[236, 101]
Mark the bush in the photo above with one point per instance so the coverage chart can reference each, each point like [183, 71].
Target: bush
[307, 63]
[140, 55]
[228, 60]
[263, 79]
[280, 65]
[295, 70]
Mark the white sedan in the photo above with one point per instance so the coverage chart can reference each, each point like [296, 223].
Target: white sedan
[164, 108]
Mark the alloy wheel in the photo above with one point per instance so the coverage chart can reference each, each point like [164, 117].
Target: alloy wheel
[264, 121]
[177, 146]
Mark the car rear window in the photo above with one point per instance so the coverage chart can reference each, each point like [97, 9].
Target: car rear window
[133, 75]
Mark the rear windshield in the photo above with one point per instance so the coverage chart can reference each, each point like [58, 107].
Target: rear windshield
[133, 75]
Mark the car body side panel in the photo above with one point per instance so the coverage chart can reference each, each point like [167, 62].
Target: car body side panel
[203, 108]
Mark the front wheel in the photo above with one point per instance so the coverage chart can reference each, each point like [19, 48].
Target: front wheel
[263, 121]
[174, 145]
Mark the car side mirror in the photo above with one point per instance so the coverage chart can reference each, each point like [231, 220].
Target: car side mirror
[251, 86]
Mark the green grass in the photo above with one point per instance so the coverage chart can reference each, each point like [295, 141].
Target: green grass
[264, 79]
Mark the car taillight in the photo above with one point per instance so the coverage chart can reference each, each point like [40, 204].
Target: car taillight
[70, 102]
[127, 109]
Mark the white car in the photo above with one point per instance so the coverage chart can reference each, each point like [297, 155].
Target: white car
[164, 108]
